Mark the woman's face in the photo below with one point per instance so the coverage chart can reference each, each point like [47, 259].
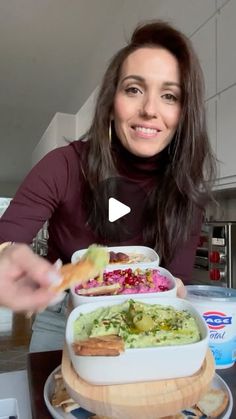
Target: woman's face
[147, 103]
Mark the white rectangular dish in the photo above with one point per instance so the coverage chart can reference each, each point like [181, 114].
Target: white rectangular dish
[149, 255]
[9, 408]
[140, 364]
[81, 299]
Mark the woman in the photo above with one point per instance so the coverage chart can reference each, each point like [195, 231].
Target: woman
[149, 128]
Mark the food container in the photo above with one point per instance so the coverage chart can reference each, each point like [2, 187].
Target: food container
[9, 409]
[140, 364]
[217, 305]
[80, 299]
[149, 255]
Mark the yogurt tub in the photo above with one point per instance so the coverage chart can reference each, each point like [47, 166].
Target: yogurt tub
[217, 305]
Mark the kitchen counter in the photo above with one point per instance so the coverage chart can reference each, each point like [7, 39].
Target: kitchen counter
[41, 364]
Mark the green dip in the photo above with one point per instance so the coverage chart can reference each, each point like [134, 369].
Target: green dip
[140, 325]
[98, 255]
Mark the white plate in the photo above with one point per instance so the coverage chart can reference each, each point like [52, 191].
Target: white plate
[218, 382]
[58, 413]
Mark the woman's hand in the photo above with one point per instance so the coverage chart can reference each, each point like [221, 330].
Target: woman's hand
[181, 290]
[25, 279]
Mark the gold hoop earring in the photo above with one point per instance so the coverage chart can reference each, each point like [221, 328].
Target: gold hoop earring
[109, 134]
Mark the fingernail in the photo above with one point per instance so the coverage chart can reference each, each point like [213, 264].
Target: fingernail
[58, 264]
[54, 278]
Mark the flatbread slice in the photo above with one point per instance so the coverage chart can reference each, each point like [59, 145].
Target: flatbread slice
[100, 290]
[60, 397]
[90, 266]
[110, 345]
[213, 403]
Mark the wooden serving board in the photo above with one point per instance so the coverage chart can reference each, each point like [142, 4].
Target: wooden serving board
[149, 400]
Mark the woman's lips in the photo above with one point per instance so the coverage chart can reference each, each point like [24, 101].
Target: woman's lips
[145, 132]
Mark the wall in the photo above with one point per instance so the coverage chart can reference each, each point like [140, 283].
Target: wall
[85, 114]
[8, 189]
[60, 128]
[65, 128]
[214, 42]
[225, 207]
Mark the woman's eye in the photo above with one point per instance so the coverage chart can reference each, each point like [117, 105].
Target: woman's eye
[132, 90]
[169, 97]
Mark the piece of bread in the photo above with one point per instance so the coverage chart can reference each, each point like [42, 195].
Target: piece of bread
[213, 403]
[71, 405]
[4, 246]
[110, 345]
[75, 274]
[100, 290]
[90, 266]
[60, 397]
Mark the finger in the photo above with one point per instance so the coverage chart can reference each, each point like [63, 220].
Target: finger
[58, 264]
[33, 302]
[181, 290]
[36, 267]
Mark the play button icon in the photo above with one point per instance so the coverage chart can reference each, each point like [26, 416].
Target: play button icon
[116, 209]
[120, 212]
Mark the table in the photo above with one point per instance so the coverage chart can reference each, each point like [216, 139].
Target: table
[41, 364]
[39, 367]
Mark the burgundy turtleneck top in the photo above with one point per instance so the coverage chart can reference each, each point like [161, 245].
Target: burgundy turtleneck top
[53, 192]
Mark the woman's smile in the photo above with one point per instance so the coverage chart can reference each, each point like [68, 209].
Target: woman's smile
[142, 131]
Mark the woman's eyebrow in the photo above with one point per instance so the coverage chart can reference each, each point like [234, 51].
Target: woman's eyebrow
[133, 77]
[171, 83]
[142, 80]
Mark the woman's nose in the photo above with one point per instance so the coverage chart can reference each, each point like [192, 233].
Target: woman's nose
[149, 107]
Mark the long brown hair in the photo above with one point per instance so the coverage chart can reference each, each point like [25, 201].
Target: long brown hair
[185, 184]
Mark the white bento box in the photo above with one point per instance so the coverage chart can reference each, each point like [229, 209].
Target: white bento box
[147, 252]
[81, 299]
[142, 364]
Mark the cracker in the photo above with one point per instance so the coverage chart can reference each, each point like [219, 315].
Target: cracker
[89, 266]
[60, 397]
[213, 403]
[100, 290]
[109, 345]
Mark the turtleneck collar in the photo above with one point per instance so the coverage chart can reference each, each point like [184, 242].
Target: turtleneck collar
[135, 167]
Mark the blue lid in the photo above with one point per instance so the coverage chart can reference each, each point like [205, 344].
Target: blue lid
[210, 292]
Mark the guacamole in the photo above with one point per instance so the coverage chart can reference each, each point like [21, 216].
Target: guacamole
[98, 255]
[140, 325]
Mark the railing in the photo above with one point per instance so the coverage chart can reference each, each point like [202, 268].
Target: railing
[39, 244]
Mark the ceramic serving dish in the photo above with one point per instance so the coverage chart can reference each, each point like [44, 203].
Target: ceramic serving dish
[140, 364]
[138, 255]
[78, 299]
